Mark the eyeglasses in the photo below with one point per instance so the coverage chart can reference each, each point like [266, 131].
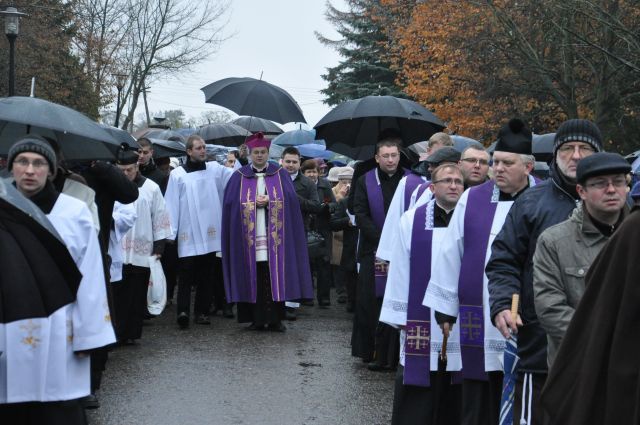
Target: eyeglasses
[389, 156]
[618, 182]
[475, 161]
[36, 163]
[449, 182]
[582, 149]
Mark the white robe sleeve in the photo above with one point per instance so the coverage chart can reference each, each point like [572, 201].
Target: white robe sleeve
[423, 199]
[442, 292]
[392, 222]
[396, 294]
[172, 201]
[91, 319]
[124, 217]
[160, 219]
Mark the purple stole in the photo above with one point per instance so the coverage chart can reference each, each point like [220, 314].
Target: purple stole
[417, 345]
[413, 181]
[376, 208]
[423, 186]
[482, 203]
[275, 231]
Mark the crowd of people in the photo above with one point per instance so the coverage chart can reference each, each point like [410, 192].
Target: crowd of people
[442, 262]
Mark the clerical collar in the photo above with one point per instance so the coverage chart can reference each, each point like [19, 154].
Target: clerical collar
[513, 196]
[46, 198]
[604, 228]
[441, 217]
[293, 176]
[191, 166]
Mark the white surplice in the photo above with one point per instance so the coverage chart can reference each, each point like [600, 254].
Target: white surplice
[442, 292]
[38, 361]
[418, 198]
[396, 295]
[194, 201]
[153, 224]
[123, 218]
[397, 207]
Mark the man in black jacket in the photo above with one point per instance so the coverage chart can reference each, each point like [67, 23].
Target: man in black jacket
[147, 165]
[510, 268]
[374, 342]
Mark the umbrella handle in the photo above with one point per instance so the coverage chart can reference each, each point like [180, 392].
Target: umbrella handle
[443, 351]
[515, 299]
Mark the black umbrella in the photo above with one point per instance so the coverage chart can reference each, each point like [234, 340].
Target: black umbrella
[542, 147]
[39, 274]
[122, 136]
[460, 143]
[78, 136]
[225, 134]
[167, 148]
[248, 96]
[158, 133]
[358, 122]
[255, 124]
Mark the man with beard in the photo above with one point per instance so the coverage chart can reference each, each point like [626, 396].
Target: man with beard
[510, 268]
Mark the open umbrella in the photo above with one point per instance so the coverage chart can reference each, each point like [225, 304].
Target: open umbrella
[542, 146]
[248, 96]
[160, 134]
[297, 137]
[225, 134]
[167, 148]
[460, 143]
[78, 136]
[122, 136]
[296, 126]
[255, 124]
[358, 122]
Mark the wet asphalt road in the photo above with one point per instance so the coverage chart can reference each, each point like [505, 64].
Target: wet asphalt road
[225, 374]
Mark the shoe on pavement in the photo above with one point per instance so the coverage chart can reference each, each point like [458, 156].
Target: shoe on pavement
[90, 402]
[227, 312]
[277, 327]
[183, 320]
[202, 319]
[290, 315]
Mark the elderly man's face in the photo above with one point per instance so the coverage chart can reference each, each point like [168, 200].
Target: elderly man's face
[30, 172]
[130, 170]
[510, 171]
[569, 154]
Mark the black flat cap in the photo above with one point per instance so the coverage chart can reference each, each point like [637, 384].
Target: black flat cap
[600, 164]
[445, 154]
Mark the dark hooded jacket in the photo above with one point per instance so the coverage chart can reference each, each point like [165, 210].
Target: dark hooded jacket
[510, 268]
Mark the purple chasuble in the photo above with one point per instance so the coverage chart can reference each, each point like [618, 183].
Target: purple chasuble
[413, 181]
[376, 208]
[287, 248]
[479, 215]
[417, 345]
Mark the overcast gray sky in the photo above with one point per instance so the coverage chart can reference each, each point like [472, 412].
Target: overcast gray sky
[273, 37]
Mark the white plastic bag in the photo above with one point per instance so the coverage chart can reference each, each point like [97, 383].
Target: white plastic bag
[157, 292]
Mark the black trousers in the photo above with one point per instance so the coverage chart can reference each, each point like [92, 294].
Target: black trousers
[438, 404]
[68, 412]
[169, 262]
[481, 400]
[367, 312]
[130, 301]
[198, 271]
[265, 311]
[537, 413]
[219, 297]
[387, 345]
[322, 269]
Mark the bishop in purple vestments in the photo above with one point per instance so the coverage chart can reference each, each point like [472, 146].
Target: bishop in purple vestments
[264, 247]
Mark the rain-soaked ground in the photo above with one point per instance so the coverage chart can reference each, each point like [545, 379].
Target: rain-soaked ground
[225, 374]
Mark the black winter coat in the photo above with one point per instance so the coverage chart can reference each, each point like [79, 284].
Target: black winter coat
[510, 268]
[340, 221]
[308, 197]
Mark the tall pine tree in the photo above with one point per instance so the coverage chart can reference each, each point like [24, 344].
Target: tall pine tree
[365, 69]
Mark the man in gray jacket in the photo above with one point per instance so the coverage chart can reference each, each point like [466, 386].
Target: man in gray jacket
[565, 251]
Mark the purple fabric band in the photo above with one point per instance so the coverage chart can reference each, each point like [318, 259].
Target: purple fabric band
[417, 347]
[413, 181]
[479, 214]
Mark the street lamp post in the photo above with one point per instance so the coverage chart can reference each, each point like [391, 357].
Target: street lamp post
[120, 79]
[11, 29]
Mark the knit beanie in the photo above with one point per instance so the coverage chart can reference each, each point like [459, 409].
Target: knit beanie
[32, 143]
[577, 130]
